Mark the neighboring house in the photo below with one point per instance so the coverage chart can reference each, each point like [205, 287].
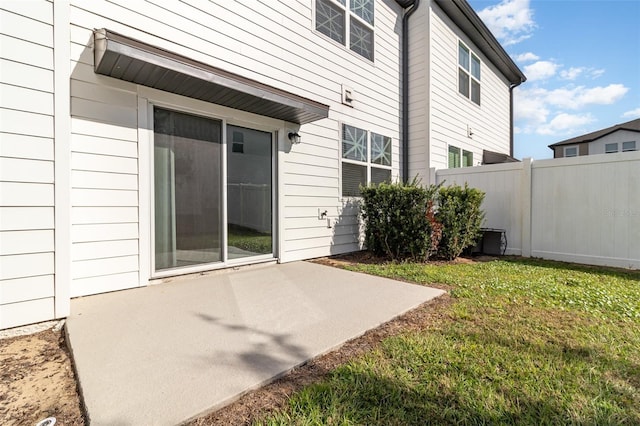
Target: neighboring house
[623, 137]
[141, 141]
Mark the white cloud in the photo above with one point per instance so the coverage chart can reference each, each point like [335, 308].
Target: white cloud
[526, 57]
[575, 72]
[531, 107]
[535, 106]
[634, 113]
[572, 73]
[540, 70]
[579, 97]
[511, 21]
[601, 95]
[565, 123]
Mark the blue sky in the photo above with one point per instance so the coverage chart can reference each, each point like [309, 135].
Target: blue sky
[582, 62]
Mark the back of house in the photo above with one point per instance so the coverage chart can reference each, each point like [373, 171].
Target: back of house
[146, 140]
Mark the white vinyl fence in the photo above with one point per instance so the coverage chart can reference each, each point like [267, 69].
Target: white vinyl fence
[250, 205]
[581, 209]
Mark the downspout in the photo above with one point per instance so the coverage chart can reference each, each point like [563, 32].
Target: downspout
[405, 84]
[511, 87]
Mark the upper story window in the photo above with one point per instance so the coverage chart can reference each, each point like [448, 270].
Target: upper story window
[468, 73]
[628, 146]
[351, 25]
[570, 151]
[366, 158]
[610, 148]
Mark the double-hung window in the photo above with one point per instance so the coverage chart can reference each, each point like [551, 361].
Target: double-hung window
[570, 151]
[456, 160]
[468, 73]
[611, 148]
[366, 158]
[454, 157]
[348, 22]
[467, 158]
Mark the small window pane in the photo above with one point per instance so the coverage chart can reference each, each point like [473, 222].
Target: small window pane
[475, 91]
[330, 20]
[463, 56]
[354, 143]
[380, 149]
[380, 175]
[611, 147]
[628, 146]
[454, 157]
[353, 175]
[467, 159]
[463, 82]
[475, 67]
[364, 9]
[361, 39]
[571, 151]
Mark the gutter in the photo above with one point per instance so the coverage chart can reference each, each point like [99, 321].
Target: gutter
[511, 87]
[405, 83]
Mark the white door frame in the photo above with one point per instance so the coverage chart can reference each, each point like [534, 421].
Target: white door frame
[147, 99]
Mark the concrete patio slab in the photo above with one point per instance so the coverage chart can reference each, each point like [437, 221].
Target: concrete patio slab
[166, 353]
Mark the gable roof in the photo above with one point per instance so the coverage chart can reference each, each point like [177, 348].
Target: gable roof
[633, 126]
[463, 15]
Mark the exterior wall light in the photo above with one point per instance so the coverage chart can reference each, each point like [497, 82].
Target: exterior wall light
[294, 137]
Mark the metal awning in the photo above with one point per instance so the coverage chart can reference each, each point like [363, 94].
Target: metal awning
[131, 60]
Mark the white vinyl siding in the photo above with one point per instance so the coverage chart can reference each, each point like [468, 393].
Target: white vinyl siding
[26, 163]
[109, 173]
[451, 113]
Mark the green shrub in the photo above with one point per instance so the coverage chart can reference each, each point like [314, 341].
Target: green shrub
[399, 220]
[461, 218]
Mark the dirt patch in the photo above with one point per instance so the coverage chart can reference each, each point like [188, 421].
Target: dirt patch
[365, 257]
[37, 380]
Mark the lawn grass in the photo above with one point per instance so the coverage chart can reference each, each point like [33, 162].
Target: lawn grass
[249, 239]
[524, 342]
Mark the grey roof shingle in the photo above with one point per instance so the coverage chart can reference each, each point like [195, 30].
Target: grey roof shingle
[633, 125]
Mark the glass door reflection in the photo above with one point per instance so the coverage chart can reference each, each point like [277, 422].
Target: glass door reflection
[187, 189]
[249, 193]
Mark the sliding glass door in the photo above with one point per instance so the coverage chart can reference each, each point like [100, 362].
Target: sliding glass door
[189, 199]
[249, 193]
[187, 189]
